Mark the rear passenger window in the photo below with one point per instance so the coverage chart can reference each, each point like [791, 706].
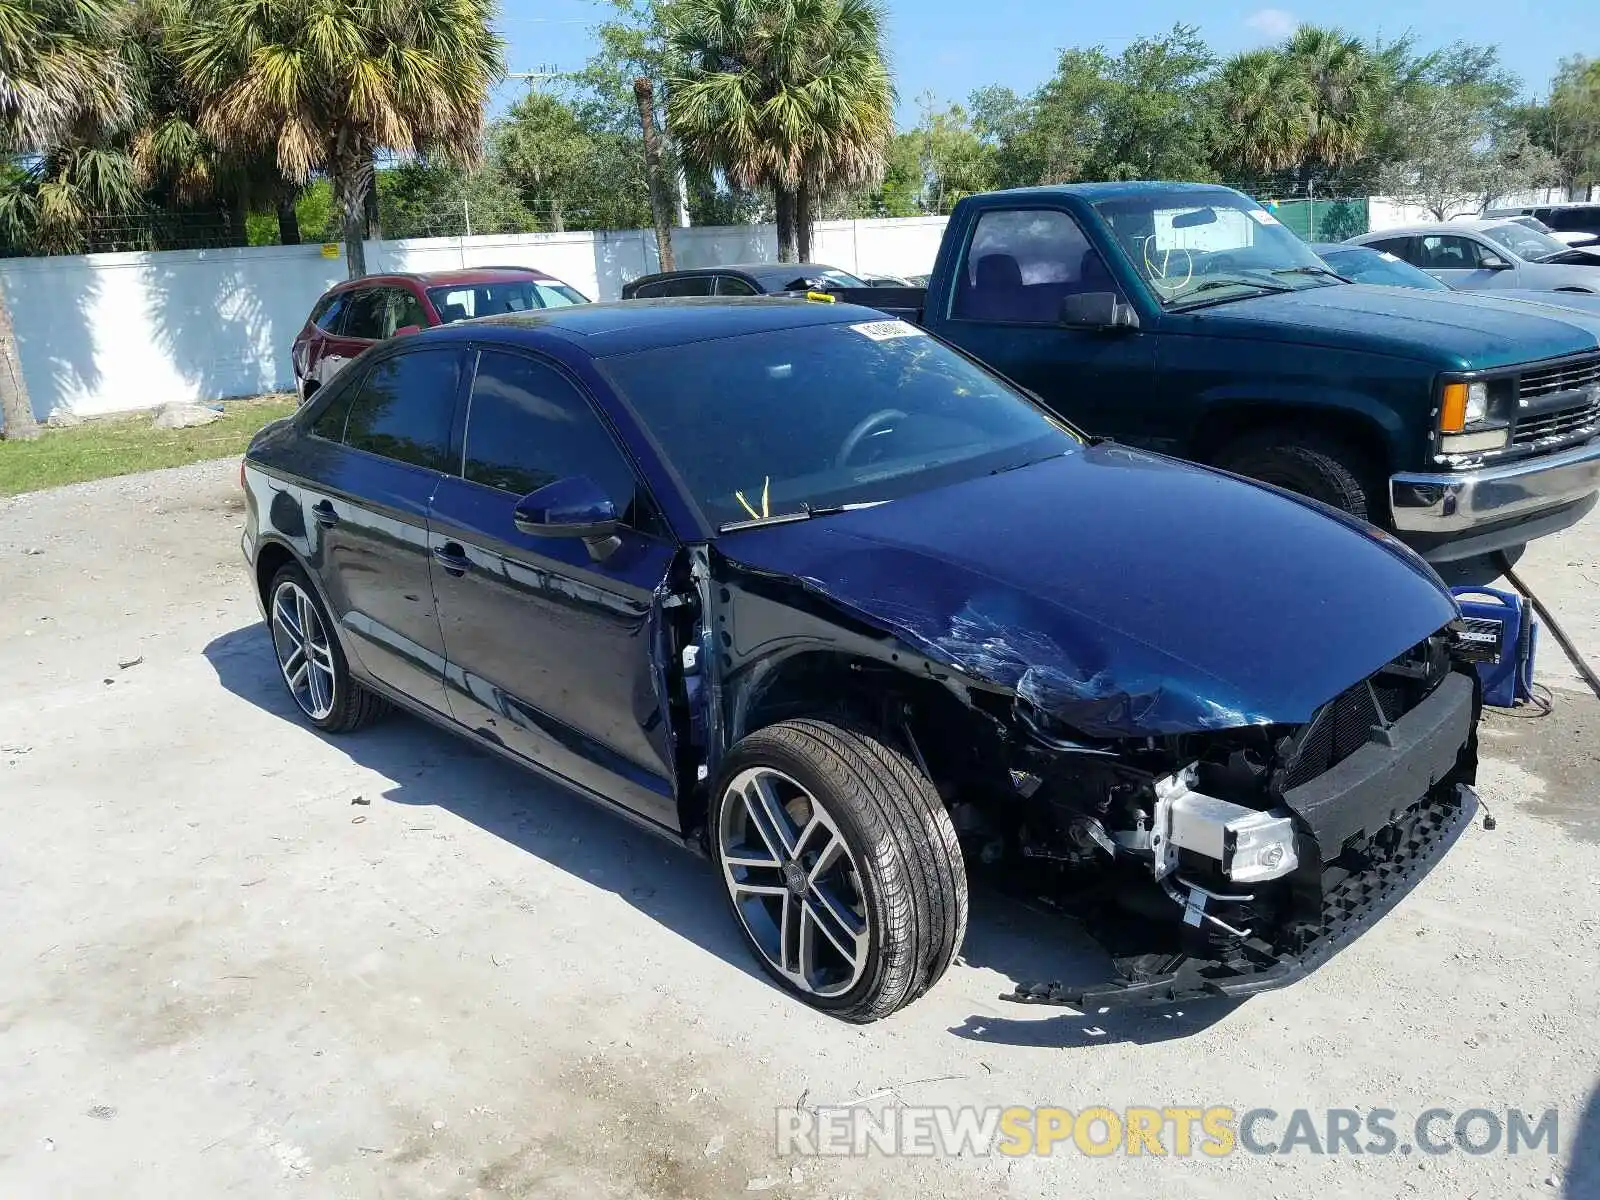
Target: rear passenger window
[528, 426]
[1023, 263]
[404, 408]
[330, 422]
[649, 291]
[367, 315]
[692, 285]
[732, 285]
[328, 311]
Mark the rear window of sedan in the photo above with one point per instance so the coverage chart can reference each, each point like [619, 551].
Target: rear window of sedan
[767, 424]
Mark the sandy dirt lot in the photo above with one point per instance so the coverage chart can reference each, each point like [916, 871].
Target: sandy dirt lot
[241, 959]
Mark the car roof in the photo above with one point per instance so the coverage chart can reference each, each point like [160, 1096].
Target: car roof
[625, 326]
[761, 272]
[461, 275]
[1115, 190]
[1477, 224]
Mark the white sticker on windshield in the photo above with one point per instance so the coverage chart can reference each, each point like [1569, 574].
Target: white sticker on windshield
[1262, 217]
[884, 331]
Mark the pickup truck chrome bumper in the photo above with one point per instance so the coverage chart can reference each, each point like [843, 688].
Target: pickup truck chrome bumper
[1460, 501]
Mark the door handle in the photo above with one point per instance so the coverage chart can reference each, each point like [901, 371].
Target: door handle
[327, 516]
[452, 558]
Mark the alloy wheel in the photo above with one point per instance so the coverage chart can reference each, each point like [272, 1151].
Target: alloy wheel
[794, 882]
[304, 654]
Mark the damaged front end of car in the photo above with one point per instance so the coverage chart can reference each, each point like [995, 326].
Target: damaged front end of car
[1228, 862]
[1212, 846]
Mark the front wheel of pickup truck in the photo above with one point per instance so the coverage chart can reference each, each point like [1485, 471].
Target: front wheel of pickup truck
[841, 866]
[1318, 465]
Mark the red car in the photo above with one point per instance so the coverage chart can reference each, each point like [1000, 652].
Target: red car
[353, 315]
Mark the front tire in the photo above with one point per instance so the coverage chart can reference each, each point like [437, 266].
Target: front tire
[310, 660]
[1321, 466]
[841, 866]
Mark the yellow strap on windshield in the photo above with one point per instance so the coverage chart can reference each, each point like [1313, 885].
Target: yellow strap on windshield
[766, 484]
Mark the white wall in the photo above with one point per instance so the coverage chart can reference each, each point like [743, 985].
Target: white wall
[104, 333]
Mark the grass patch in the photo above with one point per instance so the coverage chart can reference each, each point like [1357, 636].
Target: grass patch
[122, 445]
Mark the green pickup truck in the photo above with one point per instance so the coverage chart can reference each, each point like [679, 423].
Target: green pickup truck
[1186, 319]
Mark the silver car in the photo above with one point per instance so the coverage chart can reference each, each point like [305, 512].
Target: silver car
[1494, 254]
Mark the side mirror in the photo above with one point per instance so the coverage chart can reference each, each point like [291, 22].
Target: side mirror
[408, 329]
[570, 508]
[1493, 262]
[1097, 310]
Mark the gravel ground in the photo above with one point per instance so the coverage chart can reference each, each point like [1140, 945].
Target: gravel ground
[245, 960]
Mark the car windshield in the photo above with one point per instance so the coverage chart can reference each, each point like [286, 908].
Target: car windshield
[1525, 243]
[1209, 246]
[1365, 265]
[1532, 223]
[793, 420]
[460, 302]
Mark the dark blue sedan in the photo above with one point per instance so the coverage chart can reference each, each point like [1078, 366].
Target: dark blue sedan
[806, 588]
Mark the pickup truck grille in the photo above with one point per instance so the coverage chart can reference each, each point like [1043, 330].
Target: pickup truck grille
[1569, 376]
[1577, 421]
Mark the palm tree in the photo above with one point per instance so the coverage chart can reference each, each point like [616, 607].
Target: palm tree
[794, 95]
[60, 75]
[1348, 84]
[326, 84]
[1268, 112]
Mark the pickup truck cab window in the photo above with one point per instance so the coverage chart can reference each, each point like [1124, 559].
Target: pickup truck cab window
[1206, 247]
[1021, 263]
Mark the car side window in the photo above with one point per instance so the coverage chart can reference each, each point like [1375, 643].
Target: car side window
[649, 291]
[689, 285]
[328, 311]
[330, 422]
[732, 285]
[405, 309]
[528, 426]
[1402, 248]
[1022, 263]
[367, 314]
[405, 406]
[1448, 252]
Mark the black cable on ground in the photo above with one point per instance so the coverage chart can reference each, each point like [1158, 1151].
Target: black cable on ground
[1578, 661]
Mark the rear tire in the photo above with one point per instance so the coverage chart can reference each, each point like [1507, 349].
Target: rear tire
[310, 660]
[807, 799]
[1314, 464]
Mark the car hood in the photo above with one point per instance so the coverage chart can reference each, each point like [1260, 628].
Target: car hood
[1121, 592]
[1456, 331]
[1587, 303]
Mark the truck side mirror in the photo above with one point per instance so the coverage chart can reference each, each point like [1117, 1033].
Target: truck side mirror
[1097, 310]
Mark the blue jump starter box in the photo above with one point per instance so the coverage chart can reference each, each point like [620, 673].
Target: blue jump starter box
[1503, 636]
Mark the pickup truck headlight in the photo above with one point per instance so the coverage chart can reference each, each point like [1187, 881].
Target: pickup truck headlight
[1464, 404]
[1463, 412]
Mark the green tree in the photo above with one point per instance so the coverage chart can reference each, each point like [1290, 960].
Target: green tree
[792, 95]
[60, 77]
[1568, 123]
[427, 199]
[326, 84]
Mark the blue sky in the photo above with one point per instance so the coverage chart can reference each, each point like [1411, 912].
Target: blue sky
[955, 46]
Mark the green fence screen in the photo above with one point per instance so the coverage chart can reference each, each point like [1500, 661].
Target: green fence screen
[1321, 220]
